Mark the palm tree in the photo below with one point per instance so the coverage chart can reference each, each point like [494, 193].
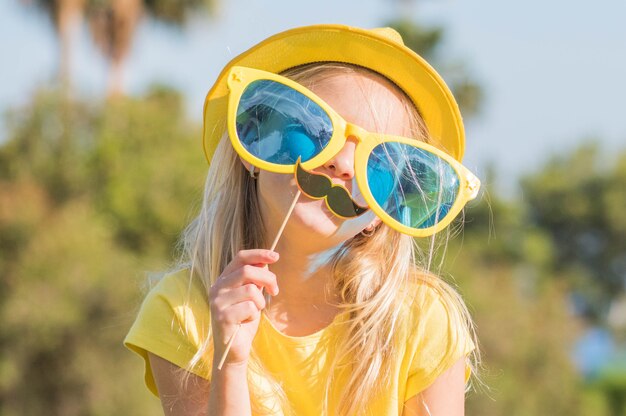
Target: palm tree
[65, 16]
[112, 24]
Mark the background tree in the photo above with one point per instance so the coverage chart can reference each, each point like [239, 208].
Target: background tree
[579, 199]
[73, 252]
[65, 15]
[427, 41]
[112, 24]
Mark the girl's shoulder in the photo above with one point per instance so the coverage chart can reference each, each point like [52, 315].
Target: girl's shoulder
[178, 286]
[176, 299]
[439, 331]
[172, 323]
[433, 306]
[424, 290]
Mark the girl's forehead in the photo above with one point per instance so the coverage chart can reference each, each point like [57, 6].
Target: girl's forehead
[365, 99]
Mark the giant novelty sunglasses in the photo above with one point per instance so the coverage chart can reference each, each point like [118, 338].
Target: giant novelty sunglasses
[410, 185]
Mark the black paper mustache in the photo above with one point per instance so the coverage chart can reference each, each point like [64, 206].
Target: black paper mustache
[317, 185]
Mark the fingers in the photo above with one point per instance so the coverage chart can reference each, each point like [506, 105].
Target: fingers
[252, 257]
[245, 293]
[238, 305]
[237, 295]
[258, 275]
[241, 312]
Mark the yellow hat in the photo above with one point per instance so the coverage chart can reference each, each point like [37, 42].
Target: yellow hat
[380, 50]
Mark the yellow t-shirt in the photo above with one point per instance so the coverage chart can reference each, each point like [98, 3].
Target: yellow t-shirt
[174, 318]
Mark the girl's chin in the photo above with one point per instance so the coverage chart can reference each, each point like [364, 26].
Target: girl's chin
[314, 218]
[317, 218]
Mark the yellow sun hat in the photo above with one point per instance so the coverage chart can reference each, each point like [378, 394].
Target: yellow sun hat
[381, 50]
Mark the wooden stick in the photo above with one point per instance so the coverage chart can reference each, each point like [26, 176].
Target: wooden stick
[230, 343]
[282, 227]
[280, 232]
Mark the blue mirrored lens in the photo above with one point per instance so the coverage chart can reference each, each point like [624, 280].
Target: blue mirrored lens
[278, 124]
[415, 187]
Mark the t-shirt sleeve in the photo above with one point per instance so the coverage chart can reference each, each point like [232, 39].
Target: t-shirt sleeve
[439, 339]
[173, 323]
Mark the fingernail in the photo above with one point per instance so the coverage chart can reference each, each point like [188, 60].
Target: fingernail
[274, 255]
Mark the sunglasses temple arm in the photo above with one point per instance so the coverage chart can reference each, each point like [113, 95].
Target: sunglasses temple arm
[280, 232]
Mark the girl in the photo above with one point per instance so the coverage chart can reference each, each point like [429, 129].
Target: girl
[367, 137]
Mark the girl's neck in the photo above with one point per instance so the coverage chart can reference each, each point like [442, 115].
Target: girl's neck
[306, 302]
[304, 276]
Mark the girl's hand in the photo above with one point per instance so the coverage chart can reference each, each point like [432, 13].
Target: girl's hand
[237, 297]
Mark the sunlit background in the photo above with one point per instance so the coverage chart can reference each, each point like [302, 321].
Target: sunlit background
[101, 167]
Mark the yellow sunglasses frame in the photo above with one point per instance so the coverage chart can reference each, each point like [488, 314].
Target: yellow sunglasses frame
[240, 77]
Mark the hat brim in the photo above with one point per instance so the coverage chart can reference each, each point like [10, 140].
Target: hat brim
[339, 43]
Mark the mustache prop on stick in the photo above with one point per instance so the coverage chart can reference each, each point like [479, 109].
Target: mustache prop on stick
[318, 185]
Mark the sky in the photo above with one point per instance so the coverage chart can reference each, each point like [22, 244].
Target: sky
[552, 71]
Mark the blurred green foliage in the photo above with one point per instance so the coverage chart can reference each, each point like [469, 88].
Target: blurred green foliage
[91, 196]
[580, 198]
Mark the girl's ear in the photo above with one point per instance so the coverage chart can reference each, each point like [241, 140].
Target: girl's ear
[373, 224]
[245, 164]
[249, 167]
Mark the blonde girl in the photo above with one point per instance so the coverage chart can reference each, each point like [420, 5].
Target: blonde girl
[343, 317]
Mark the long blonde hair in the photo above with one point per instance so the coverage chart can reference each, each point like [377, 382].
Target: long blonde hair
[373, 274]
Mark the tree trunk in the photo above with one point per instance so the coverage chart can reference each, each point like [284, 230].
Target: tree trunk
[67, 15]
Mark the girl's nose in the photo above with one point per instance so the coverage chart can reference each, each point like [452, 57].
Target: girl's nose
[342, 164]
